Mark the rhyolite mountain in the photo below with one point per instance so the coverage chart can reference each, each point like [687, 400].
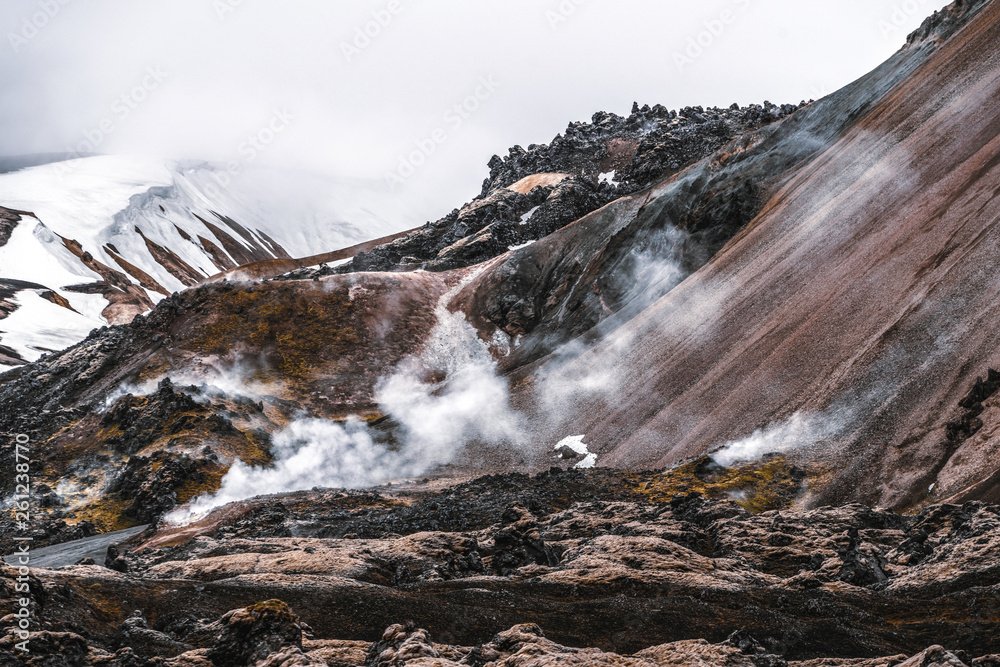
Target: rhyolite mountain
[97, 240]
[772, 328]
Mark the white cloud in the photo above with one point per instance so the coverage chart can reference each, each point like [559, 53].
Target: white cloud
[357, 117]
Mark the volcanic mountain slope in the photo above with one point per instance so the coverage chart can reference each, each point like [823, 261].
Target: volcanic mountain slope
[850, 318]
[98, 240]
[600, 329]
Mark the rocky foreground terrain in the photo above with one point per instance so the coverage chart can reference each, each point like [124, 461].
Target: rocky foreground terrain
[565, 567]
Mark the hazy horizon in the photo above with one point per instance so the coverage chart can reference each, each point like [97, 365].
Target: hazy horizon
[349, 90]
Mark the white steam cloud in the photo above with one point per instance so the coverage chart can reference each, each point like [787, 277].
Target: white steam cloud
[572, 374]
[436, 420]
[659, 266]
[308, 453]
[214, 381]
[799, 432]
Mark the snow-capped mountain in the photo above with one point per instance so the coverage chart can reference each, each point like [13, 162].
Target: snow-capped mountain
[97, 240]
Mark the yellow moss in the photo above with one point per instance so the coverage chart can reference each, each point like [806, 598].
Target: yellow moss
[108, 514]
[757, 487]
[297, 329]
[253, 452]
[211, 482]
[112, 431]
[272, 607]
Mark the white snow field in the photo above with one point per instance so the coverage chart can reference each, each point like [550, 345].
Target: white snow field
[114, 205]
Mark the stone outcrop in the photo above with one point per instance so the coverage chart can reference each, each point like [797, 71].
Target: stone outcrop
[8, 221]
[535, 191]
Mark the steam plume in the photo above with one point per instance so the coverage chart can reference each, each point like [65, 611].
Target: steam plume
[436, 420]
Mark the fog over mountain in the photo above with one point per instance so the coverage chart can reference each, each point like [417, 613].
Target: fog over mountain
[220, 69]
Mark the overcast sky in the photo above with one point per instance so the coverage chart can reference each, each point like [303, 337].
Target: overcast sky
[197, 78]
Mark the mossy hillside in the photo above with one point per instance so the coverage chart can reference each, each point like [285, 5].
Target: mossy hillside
[297, 329]
[78, 441]
[209, 481]
[153, 430]
[108, 514]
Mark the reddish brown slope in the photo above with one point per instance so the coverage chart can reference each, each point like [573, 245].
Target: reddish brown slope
[269, 268]
[867, 286]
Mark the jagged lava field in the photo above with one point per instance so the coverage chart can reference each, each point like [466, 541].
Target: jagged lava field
[689, 387]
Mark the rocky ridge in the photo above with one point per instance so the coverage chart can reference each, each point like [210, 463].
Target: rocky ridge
[8, 221]
[647, 146]
[533, 192]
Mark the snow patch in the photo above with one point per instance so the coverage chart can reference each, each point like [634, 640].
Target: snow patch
[39, 326]
[332, 265]
[576, 444]
[527, 216]
[609, 178]
[501, 342]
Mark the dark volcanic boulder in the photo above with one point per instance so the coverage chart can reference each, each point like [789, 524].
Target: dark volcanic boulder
[253, 633]
[400, 644]
[136, 634]
[519, 543]
[45, 649]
